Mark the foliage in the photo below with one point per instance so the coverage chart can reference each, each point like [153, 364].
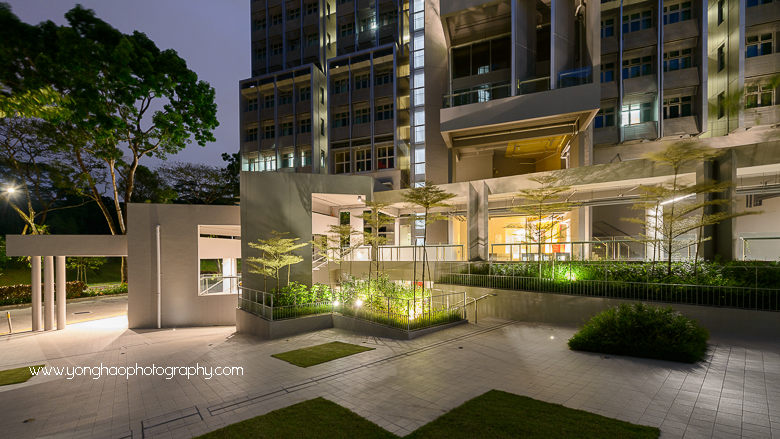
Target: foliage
[314, 355]
[277, 254]
[106, 291]
[197, 183]
[81, 265]
[640, 330]
[374, 220]
[336, 245]
[3, 258]
[15, 294]
[43, 103]
[231, 174]
[150, 187]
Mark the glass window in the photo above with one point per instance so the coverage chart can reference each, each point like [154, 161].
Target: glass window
[260, 53]
[385, 157]
[461, 62]
[677, 60]
[721, 58]
[383, 78]
[293, 44]
[322, 127]
[636, 67]
[638, 21]
[342, 162]
[607, 72]
[362, 81]
[637, 113]
[285, 99]
[362, 115]
[677, 12]
[312, 39]
[288, 160]
[251, 104]
[368, 23]
[419, 21]
[269, 132]
[251, 135]
[306, 158]
[480, 58]
[341, 120]
[347, 29]
[419, 97]
[363, 160]
[276, 49]
[269, 101]
[721, 105]
[287, 128]
[305, 126]
[260, 24]
[751, 3]
[419, 59]
[607, 28]
[340, 86]
[276, 19]
[499, 54]
[721, 11]
[304, 93]
[389, 17]
[419, 80]
[758, 45]
[419, 117]
[311, 8]
[677, 107]
[605, 118]
[419, 134]
[419, 42]
[294, 13]
[384, 112]
[268, 162]
[759, 96]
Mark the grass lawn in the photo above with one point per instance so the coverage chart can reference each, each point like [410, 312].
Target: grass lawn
[323, 353]
[494, 414]
[16, 376]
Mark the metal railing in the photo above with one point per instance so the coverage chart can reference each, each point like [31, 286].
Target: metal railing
[574, 77]
[478, 95]
[534, 85]
[408, 253]
[218, 284]
[624, 249]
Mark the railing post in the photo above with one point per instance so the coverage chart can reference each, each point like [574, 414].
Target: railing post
[272, 306]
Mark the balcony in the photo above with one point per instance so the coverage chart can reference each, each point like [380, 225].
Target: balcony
[249, 116]
[383, 90]
[534, 85]
[681, 30]
[641, 38]
[681, 125]
[285, 110]
[383, 126]
[605, 135]
[609, 90]
[645, 130]
[575, 77]
[609, 45]
[762, 14]
[762, 65]
[304, 138]
[361, 130]
[640, 84]
[681, 78]
[339, 133]
[474, 96]
[762, 116]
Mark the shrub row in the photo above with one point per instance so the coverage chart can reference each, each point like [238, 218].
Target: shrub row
[17, 294]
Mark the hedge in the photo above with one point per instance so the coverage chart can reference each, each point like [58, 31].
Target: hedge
[14, 294]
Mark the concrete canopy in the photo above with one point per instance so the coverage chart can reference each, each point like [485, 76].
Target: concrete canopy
[66, 245]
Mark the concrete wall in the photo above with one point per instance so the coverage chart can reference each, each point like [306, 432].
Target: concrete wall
[180, 303]
[66, 245]
[575, 310]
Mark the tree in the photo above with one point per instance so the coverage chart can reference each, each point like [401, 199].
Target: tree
[542, 204]
[196, 183]
[425, 197]
[44, 103]
[81, 265]
[150, 187]
[231, 174]
[277, 254]
[332, 245]
[127, 98]
[375, 220]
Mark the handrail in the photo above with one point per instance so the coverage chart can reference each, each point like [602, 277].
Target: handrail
[486, 93]
[474, 301]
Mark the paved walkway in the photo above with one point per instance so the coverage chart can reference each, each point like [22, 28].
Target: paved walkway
[400, 385]
[79, 310]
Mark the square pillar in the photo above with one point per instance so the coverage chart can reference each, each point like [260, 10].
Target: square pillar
[48, 293]
[35, 291]
[229, 268]
[61, 296]
[477, 222]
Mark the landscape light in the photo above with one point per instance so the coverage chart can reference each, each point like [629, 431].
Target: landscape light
[358, 302]
[10, 190]
[336, 303]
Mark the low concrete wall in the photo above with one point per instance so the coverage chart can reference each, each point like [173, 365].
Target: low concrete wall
[575, 310]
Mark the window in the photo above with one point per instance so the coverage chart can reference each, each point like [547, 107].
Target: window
[677, 107]
[721, 105]
[383, 78]
[288, 160]
[722, 11]
[389, 18]
[419, 80]
[637, 113]
[251, 135]
[347, 29]
[293, 44]
[322, 95]
[721, 57]
[276, 19]
[312, 39]
[607, 28]
[385, 158]
[605, 118]
[479, 58]
[677, 60]
[292, 14]
[637, 22]
[251, 104]
[276, 49]
[363, 160]
[312, 8]
[676, 13]
[340, 86]
[268, 162]
[304, 94]
[306, 158]
[384, 112]
[368, 24]
[328, 36]
[419, 59]
[269, 132]
[341, 2]
[322, 158]
[419, 97]
[759, 96]
[287, 128]
[758, 45]
[285, 99]
[419, 134]
[636, 67]
[305, 126]
[751, 3]
[260, 24]
[607, 72]
[362, 81]
[419, 21]
[342, 162]
[341, 120]
[269, 101]
[322, 127]
[362, 116]
[260, 53]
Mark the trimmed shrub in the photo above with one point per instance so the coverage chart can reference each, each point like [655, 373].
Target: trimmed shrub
[14, 294]
[106, 291]
[641, 330]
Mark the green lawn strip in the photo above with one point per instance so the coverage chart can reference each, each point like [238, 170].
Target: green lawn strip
[323, 353]
[497, 414]
[312, 419]
[16, 376]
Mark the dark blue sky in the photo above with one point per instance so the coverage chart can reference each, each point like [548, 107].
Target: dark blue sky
[211, 35]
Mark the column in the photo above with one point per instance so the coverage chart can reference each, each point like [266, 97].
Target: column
[229, 268]
[477, 217]
[48, 293]
[35, 261]
[61, 296]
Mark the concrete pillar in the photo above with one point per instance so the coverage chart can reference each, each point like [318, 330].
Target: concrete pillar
[723, 235]
[61, 296]
[48, 293]
[35, 262]
[581, 230]
[229, 268]
[477, 222]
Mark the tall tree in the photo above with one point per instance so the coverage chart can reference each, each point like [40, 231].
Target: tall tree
[150, 187]
[197, 183]
[231, 173]
[128, 98]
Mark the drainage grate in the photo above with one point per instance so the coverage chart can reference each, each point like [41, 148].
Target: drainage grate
[82, 312]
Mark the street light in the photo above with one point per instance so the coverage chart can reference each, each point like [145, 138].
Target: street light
[11, 190]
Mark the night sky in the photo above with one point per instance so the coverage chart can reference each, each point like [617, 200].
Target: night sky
[211, 35]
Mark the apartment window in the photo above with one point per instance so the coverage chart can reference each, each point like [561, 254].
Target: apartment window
[478, 58]
[721, 58]
[268, 162]
[721, 11]
[286, 99]
[419, 80]
[327, 7]
[294, 44]
[251, 104]
[758, 45]
[276, 49]
[254, 164]
[383, 78]
[389, 18]
[260, 53]
[419, 59]
[276, 19]
[362, 116]
[341, 120]
[721, 105]
[368, 24]
[677, 13]
[419, 134]
[322, 158]
[605, 118]
[322, 127]
[419, 21]
[306, 158]
[751, 3]
[269, 132]
[361, 82]
[636, 67]
[638, 21]
[607, 28]
[419, 97]
[637, 113]
[287, 128]
[385, 157]
[677, 107]
[677, 60]
[292, 14]
[305, 126]
[260, 24]
[340, 86]
[384, 112]
[363, 160]
[251, 135]
[304, 93]
[342, 162]
[322, 95]
[759, 96]
[288, 160]
[269, 101]
[312, 8]
[341, 2]
[312, 39]
[328, 37]
[607, 72]
[347, 29]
